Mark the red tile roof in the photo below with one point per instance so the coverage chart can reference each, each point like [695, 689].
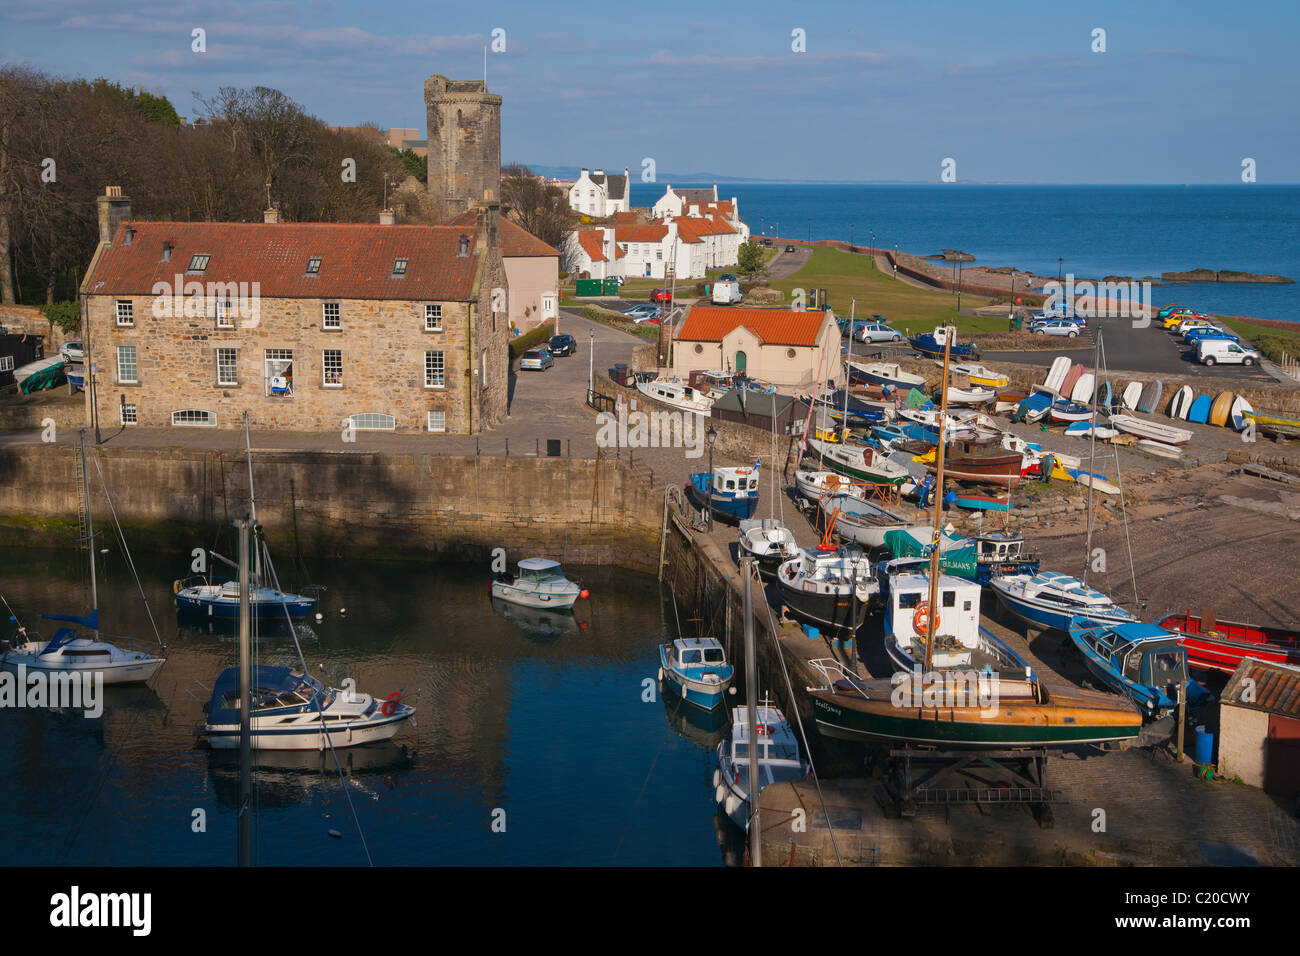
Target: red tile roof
[711, 226]
[626, 218]
[633, 233]
[687, 231]
[706, 323]
[592, 242]
[516, 241]
[356, 259]
[1275, 687]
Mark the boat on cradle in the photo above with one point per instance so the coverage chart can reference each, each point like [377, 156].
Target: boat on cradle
[885, 373]
[1029, 712]
[696, 670]
[779, 760]
[730, 493]
[540, 583]
[999, 553]
[1147, 428]
[1050, 599]
[861, 462]
[984, 460]
[832, 590]
[769, 542]
[1220, 645]
[814, 485]
[959, 641]
[864, 522]
[1143, 662]
[294, 711]
[678, 395]
[932, 344]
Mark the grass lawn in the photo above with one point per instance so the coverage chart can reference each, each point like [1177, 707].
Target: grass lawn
[1270, 341]
[846, 276]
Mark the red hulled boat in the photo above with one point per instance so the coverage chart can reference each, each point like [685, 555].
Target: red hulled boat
[1220, 645]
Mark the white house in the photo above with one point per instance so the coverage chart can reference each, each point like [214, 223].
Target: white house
[598, 194]
[674, 201]
[594, 253]
[686, 247]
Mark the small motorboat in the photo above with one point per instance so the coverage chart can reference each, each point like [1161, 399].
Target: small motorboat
[1050, 599]
[1143, 662]
[294, 711]
[540, 583]
[769, 542]
[832, 590]
[678, 395]
[779, 760]
[696, 670]
[885, 373]
[730, 493]
[931, 344]
[1220, 645]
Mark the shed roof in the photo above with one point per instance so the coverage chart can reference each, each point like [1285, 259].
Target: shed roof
[1257, 685]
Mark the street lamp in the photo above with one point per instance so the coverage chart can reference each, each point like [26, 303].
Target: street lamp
[958, 287]
[591, 363]
[873, 240]
[851, 228]
[810, 232]
[710, 436]
[1060, 262]
[762, 228]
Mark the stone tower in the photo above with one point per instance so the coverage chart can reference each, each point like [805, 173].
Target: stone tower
[464, 144]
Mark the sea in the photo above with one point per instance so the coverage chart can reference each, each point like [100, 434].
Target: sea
[1090, 231]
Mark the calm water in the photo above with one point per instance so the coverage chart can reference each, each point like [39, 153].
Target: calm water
[546, 723]
[1097, 230]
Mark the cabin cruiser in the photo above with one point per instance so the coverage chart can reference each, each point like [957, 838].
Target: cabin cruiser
[959, 641]
[540, 583]
[1050, 599]
[769, 542]
[199, 597]
[678, 395]
[69, 653]
[830, 589]
[696, 670]
[779, 760]
[728, 492]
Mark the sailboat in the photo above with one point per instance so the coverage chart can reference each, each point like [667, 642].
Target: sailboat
[202, 597]
[70, 653]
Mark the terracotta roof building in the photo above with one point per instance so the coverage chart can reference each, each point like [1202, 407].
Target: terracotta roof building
[782, 346]
[1259, 727]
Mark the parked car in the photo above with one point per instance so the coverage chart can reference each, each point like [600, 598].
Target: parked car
[539, 359]
[765, 241]
[563, 344]
[1187, 324]
[1060, 310]
[661, 295]
[643, 311]
[72, 352]
[1221, 351]
[1179, 316]
[876, 332]
[1169, 310]
[1064, 327]
[726, 292]
[1208, 332]
[789, 248]
[727, 277]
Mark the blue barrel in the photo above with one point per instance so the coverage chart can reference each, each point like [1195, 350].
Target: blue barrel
[1204, 753]
[810, 631]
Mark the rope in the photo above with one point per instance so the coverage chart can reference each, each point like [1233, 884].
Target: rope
[130, 562]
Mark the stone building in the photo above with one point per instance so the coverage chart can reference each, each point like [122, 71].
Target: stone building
[532, 274]
[306, 326]
[1259, 727]
[464, 144]
[785, 347]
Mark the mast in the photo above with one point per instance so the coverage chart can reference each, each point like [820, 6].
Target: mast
[847, 366]
[252, 502]
[245, 704]
[90, 536]
[751, 693]
[1092, 460]
[938, 506]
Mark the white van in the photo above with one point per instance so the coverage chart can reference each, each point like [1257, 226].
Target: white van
[726, 292]
[1213, 351]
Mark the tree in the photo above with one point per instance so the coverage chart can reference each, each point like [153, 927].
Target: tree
[750, 258]
[414, 165]
[539, 207]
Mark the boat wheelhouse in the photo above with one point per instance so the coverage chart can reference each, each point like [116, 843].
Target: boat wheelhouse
[779, 760]
[1002, 552]
[729, 492]
[832, 590]
[1050, 599]
[290, 710]
[769, 542]
[540, 583]
[959, 641]
[696, 670]
[1143, 662]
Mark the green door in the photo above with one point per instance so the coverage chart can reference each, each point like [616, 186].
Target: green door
[740, 362]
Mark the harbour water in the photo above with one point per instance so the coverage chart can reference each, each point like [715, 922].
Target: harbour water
[1096, 230]
[544, 721]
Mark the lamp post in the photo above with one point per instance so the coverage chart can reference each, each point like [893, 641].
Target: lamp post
[761, 227]
[873, 240]
[851, 228]
[895, 260]
[1060, 262]
[591, 363]
[959, 287]
[710, 436]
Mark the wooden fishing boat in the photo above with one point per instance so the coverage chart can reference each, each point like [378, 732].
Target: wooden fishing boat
[976, 460]
[1220, 645]
[859, 461]
[967, 712]
[1146, 428]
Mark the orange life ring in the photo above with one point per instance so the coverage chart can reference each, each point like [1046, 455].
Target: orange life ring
[921, 619]
[391, 703]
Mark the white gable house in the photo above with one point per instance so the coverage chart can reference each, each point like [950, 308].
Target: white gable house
[599, 195]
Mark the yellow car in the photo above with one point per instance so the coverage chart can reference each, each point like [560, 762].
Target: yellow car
[1178, 318]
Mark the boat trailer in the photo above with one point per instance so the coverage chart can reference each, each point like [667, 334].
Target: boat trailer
[923, 777]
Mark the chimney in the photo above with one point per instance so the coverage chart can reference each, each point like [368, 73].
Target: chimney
[114, 209]
[128, 234]
[598, 172]
[386, 217]
[584, 172]
[464, 246]
[489, 212]
[271, 215]
[167, 251]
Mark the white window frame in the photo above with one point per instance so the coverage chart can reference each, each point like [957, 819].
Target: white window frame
[337, 316]
[135, 365]
[442, 417]
[225, 309]
[440, 380]
[122, 414]
[433, 311]
[280, 355]
[372, 422]
[124, 307]
[6, 363]
[324, 368]
[234, 363]
[209, 421]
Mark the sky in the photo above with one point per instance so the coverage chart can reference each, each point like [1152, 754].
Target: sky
[1184, 92]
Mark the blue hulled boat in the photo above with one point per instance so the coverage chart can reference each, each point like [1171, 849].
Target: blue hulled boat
[1054, 600]
[728, 492]
[221, 601]
[696, 670]
[1140, 661]
[931, 344]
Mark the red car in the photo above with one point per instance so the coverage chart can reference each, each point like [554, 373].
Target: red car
[661, 295]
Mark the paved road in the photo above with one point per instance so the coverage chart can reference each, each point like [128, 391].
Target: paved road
[786, 264]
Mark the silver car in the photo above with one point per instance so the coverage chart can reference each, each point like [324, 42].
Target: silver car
[1063, 327]
[878, 332]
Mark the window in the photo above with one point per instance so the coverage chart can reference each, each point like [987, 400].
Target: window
[399, 267]
[437, 421]
[659, 253]
[194, 416]
[225, 314]
[127, 374]
[227, 373]
[331, 364]
[125, 313]
[435, 374]
[483, 366]
[331, 318]
[127, 414]
[198, 262]
[6, 363]
[279, 372]
[433, 318]
[372, 422]
[313, 266]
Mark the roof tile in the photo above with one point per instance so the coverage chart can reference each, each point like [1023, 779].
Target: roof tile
[771, 326]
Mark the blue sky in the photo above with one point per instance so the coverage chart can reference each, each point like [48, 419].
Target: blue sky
[885, 91]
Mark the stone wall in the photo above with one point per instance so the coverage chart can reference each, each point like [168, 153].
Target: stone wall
[464, 122]
[1243, 734]
[334, 504]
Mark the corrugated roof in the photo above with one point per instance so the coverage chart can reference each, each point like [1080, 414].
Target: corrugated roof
[516, 241]
[1275, 688]
[706, 323]
[357, 259]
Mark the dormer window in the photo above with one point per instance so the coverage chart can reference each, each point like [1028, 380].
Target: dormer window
[464, 245]
[199, 262]
[399, 267]
[313, 266]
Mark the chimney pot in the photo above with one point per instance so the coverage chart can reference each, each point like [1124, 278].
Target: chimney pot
[271, 215]
[464, 246]
[386, 217]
